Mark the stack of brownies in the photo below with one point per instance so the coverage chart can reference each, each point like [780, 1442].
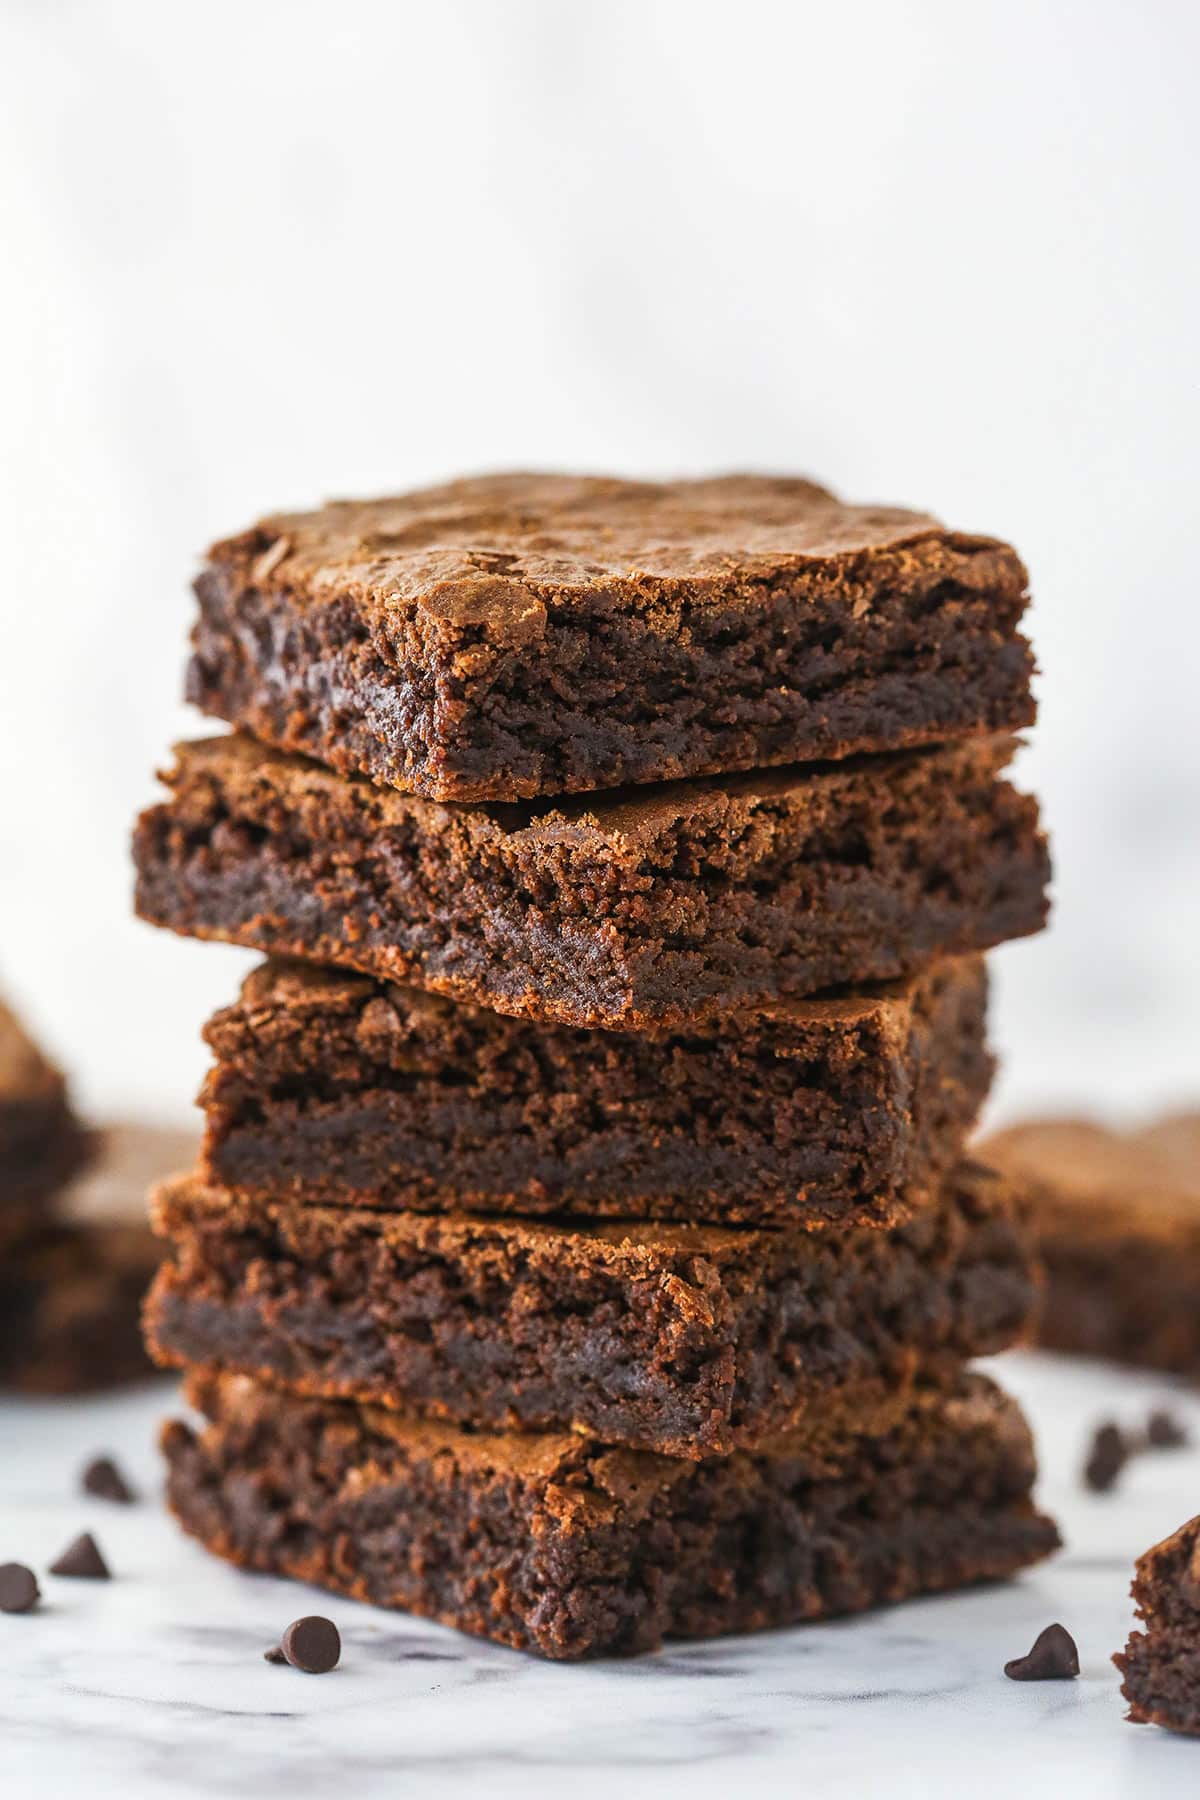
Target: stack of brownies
[583, 1250]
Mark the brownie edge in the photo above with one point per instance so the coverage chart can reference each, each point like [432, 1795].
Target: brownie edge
[1160, 1664]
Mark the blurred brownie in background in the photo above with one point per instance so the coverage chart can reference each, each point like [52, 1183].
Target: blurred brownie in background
[42, 1143]
[1117, 1218]
[71, 1288]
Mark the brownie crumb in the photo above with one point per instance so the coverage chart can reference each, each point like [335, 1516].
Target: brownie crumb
[1160, 1664]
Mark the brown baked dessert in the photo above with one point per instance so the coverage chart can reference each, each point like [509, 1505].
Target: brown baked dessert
[71, 1291]
[1161, 1664]
[1117, 1219]
[335, 1088]
[42, 1144]
[660, 906]
[516, 635]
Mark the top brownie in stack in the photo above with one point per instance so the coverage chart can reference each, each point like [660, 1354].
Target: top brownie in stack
[522, 635]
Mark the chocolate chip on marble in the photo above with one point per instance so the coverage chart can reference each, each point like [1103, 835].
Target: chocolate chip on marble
[1164, 1431]
[104, 1480]
[274, 1655]
[312, 1644]
[18, 1588]
[1053, 1657]
[1107, 1456]
[82, 1559]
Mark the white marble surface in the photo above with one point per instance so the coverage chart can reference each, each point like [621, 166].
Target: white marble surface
[155, 1685]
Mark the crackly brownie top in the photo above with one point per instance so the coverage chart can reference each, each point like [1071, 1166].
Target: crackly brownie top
[1087, 1179]
[497, 546]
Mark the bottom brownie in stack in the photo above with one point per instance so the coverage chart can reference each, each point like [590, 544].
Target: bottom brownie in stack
[561, 1544]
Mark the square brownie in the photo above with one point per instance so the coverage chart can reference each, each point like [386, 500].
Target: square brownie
[516, 635]
[1161, 1665]
[657, 906]
[339, 1089]
[684, 1339]
[42, 1144]
[559, 1544]
[1117, 1219]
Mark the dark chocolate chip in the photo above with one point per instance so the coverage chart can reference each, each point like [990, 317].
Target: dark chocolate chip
[1052, 1658]
[1164, 1432]
[312, 1644]
[82, 1558]
[274, 1656]
[103, 1479]
[18, 1588]
[1107, 1456]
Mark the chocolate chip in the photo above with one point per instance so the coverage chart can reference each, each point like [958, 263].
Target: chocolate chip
[18, 1588]
[1052, 1658]
[83, 1559]
[274, 1656]
[312, 1644]
[1164, 1432]
[1107, 1456]
[103, 1479]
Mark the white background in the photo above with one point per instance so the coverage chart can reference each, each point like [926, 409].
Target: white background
[943, 253]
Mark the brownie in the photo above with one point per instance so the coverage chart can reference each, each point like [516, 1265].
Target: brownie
[42, 1144]
[1117, 1219]
[516, 635]
[559, 1544]
[686, 1339]
[1161, 1665]
[336, 1088]
[71, 1291]
[663, 905]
